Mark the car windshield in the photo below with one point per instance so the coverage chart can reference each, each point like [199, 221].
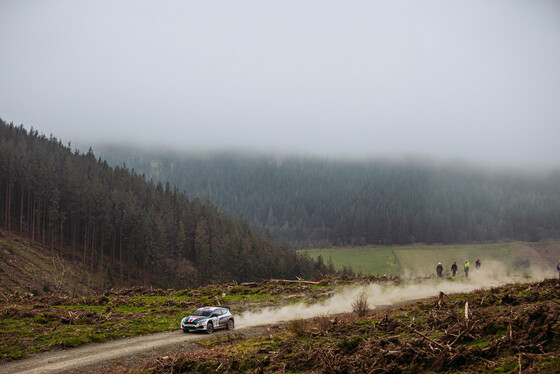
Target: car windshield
[202, 312]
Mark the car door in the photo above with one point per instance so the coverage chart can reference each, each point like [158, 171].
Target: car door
[223, 318]
[216, 313]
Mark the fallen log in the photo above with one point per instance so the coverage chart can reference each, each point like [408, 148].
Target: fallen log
[294, 281]
[248, 284]
[464, 332]
[442, 346]
[253, 284]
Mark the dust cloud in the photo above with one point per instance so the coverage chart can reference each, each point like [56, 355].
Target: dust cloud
[493, 274]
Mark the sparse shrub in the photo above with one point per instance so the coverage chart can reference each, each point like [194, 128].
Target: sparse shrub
[45, 318]
[103, 300]
[347, 272]
[298, 327]
[350, 344]
[360, 305]
[323, 322]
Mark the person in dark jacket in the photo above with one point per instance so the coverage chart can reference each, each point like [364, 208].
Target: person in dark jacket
[454, 268]
[439, 270]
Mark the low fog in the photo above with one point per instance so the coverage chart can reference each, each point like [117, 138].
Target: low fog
[475, 80]
[411, 289]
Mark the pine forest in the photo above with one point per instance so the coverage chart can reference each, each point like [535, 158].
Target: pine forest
[320, 202]
[124, 228]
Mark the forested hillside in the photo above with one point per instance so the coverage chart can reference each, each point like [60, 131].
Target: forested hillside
[321, 202]
[115, 224]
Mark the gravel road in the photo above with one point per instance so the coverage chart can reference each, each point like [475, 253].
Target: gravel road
[125, 352]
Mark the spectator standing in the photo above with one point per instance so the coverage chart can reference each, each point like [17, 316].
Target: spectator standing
[439, 270]
[454, 268]
[466, 268]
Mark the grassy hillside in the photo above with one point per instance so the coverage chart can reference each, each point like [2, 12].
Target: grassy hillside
[421, 259]
[27, 267]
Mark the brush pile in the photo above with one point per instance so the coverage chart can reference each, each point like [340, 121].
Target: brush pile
[514, 328]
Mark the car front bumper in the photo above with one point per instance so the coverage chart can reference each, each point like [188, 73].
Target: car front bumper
[193, 327]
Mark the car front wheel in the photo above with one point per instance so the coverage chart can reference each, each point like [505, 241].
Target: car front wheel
[185, 330]
[210, 328]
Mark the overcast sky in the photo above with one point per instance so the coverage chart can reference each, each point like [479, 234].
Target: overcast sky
[474, 80]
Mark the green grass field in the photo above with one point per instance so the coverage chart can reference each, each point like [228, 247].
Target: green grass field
[422, 259]
[368, 260]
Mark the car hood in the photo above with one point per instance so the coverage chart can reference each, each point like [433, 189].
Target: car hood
[195, 319]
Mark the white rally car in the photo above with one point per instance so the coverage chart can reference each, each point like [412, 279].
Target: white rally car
[208, 319]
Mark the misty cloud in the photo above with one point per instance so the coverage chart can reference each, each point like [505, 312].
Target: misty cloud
[476, 80]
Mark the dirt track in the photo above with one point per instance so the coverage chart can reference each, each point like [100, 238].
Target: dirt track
[125, 352]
